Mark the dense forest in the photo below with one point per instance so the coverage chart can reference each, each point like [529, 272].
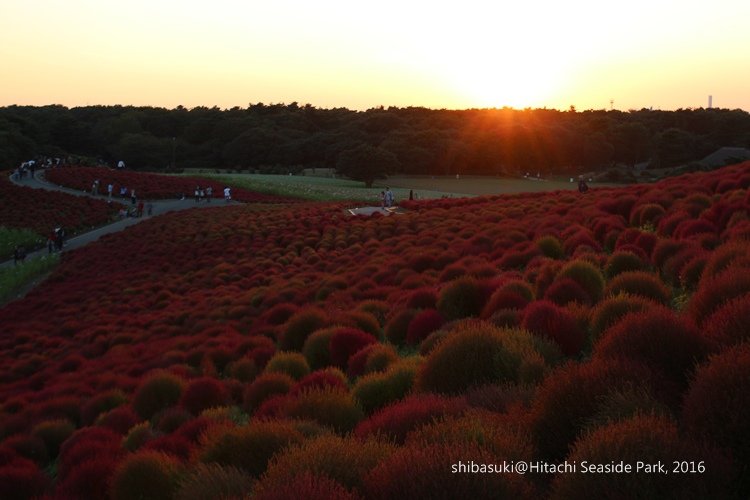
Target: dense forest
[288, 137]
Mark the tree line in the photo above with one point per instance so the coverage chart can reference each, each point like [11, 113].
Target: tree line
[283, 138]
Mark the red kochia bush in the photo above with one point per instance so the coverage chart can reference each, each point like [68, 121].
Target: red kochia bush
[395, 477]
[265, 386]
[564, 291]
[344, 460]
[571, 395]
[423, 324]
[424, 298]
[395, 421]
[640, 283]
[203, 393]
[147, 474]
[345, 342]
[503, 298]
[398, 325]
[729, 324]
[669, 344]
[157, 392]
[119, 420]
[713, 292]
[371, 358]
[327, 378]
[461, 298]
[21, 479]
[299, 326]
[546, 319]
[308, 486]
[86, 463]
[649, 439]
[716, 408]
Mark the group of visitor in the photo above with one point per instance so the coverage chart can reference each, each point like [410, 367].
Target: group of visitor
[56, 240]
[201, 193]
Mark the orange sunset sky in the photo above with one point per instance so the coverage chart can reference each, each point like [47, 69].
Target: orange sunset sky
[331, 53]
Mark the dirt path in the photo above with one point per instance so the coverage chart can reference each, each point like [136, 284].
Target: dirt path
[160, 207]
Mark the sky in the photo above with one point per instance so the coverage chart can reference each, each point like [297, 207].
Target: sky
[591, 54]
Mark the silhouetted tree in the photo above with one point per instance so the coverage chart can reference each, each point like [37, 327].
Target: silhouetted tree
[366, 163]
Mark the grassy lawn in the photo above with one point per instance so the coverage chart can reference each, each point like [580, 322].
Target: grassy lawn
[319, 188]
[15, 279]
[10, 237]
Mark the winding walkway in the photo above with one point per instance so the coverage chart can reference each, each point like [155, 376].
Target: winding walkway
[160, 207]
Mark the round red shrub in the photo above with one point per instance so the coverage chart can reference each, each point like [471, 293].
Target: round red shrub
[444, 472]
[265, 386]
[610, 310]
[668, 344]
[461, 298]
[572, 395]
[715, 406]
[371, 358]
[728, 324]
[293, 364]
[146, 475]
[715, 291]
[157, 392]
[119, 420]
[299, 326]
[622, 261]
[88, 479]
[504, 298]
[424, 323]
[21, 479]
[330, 407]
[395, 421]
[345, 342]
[565, 291]
[424, 298]
[248, 447]
[327, 378]
[101, 403]
[345, 460]
[308, 486]
[640, 283]
[53, 433]
[651, 440]
[549, 320]
[203, 393]
[732, 254]
[588, 277]
[28, 446]
[477, 353]
[397, 327]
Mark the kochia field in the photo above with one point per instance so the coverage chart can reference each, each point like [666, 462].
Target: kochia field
[293, 351]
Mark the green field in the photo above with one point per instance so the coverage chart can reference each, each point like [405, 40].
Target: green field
[318, 188]
[11, 237]
[15, 279]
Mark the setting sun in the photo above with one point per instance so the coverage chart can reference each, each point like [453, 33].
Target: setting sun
[662, 54]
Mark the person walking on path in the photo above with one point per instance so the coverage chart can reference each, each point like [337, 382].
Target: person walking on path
[110, 188]
[197, 193]
[388, 197]
[132, 197]
[227, 194]
[19, 254]
[209, 194]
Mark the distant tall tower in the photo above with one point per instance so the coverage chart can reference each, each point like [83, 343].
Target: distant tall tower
[611, 104]
[710, 101]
